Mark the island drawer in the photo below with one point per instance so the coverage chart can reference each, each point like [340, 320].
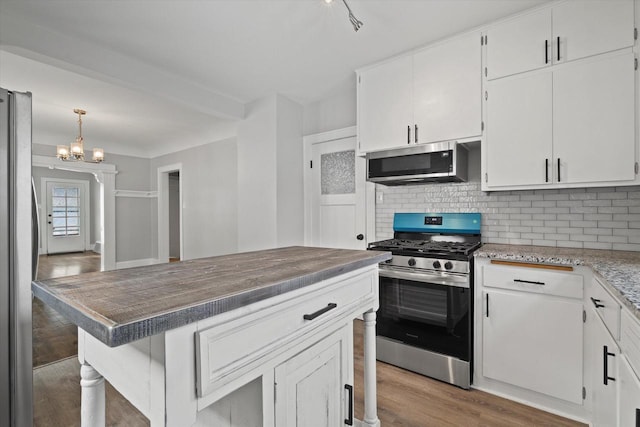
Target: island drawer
[606, 306]
[535, 278]
[226, 351]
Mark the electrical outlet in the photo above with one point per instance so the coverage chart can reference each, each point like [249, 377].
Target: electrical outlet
[379, 197]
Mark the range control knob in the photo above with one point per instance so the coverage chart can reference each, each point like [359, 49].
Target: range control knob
[436, 264]
[448, 265]
[412, 262]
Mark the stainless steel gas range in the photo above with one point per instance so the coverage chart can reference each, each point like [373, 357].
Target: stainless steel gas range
[425, 320]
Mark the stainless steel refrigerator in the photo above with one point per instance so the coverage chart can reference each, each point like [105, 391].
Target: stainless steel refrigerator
[17, 261]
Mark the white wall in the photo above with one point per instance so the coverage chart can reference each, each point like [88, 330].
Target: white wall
[270, 191]
[336, 111]
[290, 188]
[209, 186]
[257, 176]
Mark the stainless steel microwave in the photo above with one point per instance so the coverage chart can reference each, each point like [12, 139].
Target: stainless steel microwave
[436, 162]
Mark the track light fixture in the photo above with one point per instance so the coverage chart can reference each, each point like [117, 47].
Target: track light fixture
[354, 21]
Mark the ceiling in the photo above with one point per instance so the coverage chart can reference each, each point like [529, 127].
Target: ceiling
[157, 75]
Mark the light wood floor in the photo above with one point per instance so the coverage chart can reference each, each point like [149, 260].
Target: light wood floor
[405, 399]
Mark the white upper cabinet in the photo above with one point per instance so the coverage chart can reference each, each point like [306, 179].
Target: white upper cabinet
[447, 90]
[590, 27]
[568, 31]
[593, 120]
[385, 110]
[568, 119]
[519, 131]
[518, 45]
[434, 94]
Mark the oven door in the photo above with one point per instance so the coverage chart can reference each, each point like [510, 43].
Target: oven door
[428, 311]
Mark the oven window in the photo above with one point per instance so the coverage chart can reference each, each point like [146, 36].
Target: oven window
[429, 316]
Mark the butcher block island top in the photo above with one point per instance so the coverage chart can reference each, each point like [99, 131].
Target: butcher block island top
[121, 306]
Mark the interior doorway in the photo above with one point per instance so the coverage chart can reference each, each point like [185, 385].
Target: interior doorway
[170, 241]
[174, 216]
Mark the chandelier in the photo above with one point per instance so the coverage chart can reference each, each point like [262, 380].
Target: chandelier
[75, 151]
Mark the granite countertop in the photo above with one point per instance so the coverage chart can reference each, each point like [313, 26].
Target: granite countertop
[121, 306]
[620, 270]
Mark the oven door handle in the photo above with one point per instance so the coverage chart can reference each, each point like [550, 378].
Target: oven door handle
[459, 281]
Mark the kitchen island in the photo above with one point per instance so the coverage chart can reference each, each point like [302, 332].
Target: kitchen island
[259, 338]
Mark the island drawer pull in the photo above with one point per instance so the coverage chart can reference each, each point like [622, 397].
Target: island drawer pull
[528, 281]
[320, 312]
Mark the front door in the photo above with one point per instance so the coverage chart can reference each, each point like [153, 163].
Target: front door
[338, 195]
[66, 226]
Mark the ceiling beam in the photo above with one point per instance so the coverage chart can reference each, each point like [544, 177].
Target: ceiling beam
[88, 59]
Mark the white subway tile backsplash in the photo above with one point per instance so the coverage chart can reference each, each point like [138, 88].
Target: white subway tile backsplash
[593, 218]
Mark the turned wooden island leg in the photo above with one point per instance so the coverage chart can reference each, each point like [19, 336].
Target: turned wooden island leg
[92, 409]
[370, 391]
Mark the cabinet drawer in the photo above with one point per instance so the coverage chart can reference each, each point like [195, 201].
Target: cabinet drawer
[630, 339]
[225, 352]
[534, 278]
[606, 306]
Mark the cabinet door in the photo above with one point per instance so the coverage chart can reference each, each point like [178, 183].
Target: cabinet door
[535, 342]
[602, 362]
[520, 44]
[447, 90]
[593, 120]
[629, 410]
[310, 386]
[590, 27]
[385, 109]
[518, 134]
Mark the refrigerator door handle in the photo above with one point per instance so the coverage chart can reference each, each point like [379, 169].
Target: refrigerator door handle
[35, 232]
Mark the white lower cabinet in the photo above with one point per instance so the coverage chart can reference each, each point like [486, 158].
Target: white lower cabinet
[564, 342]
[314, 388]
[534, 341]
[629, 404]
[603, 356]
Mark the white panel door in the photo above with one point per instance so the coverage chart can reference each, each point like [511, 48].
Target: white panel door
[594, 123]
[338, 195]
[533, 341]
[590, 27]
[447, 90]
[385, 111]
[520, 44]
[518, 133]
[66, 225]
[629, 394]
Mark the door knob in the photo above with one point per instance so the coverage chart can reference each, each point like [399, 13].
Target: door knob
[360, 237]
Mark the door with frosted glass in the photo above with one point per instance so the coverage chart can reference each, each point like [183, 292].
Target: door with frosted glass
[338, 200]
[65, 217]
